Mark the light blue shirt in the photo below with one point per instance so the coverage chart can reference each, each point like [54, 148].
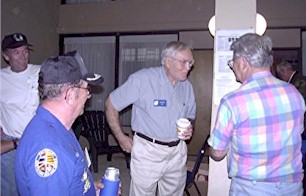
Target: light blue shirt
[157, 104]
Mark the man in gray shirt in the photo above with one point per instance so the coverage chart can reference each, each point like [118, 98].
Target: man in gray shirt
[159, 97]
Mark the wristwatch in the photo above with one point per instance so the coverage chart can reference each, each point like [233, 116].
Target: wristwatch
[15, 143]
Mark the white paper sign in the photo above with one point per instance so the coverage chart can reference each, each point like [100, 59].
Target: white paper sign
[224, 78]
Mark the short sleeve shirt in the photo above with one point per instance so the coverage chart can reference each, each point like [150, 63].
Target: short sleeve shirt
[157, 104]
[261, 124]
[18, 99]
[49, 160]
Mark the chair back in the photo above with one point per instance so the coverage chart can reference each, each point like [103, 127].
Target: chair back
[95, 127]
[77, 127]
[199, 158]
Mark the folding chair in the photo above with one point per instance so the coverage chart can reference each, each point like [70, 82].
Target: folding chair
[190, 180]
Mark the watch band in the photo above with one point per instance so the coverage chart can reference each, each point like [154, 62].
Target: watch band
[15, 143]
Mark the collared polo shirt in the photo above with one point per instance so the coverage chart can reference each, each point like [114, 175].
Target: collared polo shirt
[157, 104]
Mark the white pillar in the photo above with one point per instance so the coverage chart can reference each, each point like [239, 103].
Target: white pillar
[230, 15]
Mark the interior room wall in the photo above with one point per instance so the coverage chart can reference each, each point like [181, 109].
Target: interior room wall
[285, 19]
[136, 15]
[197, 39]
[201, 78]
[38, 20]
[283, 13]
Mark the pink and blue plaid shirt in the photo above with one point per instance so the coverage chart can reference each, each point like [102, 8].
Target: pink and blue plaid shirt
[261, 125]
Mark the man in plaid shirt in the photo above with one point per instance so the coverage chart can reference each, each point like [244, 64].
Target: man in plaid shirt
[259, 125]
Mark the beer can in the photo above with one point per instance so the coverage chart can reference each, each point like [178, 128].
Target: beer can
[111, 182]
[112, 174]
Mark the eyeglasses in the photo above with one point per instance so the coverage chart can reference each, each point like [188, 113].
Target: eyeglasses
[184, 61]
[230, 63]
[85, 88]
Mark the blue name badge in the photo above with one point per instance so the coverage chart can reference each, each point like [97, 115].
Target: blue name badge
[159, 103]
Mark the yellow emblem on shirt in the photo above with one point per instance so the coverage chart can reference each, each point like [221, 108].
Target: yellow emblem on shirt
[87, 182]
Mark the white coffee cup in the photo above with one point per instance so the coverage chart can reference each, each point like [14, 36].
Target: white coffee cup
[181, 126]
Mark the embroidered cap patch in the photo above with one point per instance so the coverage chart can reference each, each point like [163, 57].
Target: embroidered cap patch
[46, 162]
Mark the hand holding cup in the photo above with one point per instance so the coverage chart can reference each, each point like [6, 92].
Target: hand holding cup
[183, 128]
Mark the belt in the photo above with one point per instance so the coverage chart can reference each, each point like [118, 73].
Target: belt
[170, 144]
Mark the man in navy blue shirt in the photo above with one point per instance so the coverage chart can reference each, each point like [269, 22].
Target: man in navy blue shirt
[49, 159]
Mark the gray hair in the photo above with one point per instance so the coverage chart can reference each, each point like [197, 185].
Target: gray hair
[257, 50]
[171, 48]
[50, 91]
[283, 66]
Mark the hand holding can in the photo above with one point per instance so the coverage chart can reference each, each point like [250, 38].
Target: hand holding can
[111, 182]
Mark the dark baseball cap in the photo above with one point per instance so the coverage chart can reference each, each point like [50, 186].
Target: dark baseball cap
[67, 68]
[14, 41]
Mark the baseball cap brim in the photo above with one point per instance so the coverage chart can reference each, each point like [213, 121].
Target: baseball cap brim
[94, 79]
[16, 45]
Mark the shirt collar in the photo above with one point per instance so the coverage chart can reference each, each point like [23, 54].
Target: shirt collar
[163, 76]
[164, 80]
[291, 76]
[258, 75]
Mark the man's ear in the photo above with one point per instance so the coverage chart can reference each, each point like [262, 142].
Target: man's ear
[5, 57]
[245, 64]
[70, 96]
[167, 59]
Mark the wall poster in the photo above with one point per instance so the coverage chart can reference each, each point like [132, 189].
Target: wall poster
[224, 78]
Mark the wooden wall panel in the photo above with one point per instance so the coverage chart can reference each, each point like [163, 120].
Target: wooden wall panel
[201, 78]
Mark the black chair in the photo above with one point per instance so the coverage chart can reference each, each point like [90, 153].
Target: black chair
[190, 180]
[77, 128]
[94, 127]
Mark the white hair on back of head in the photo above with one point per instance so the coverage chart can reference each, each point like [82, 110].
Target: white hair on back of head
[257, 50]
